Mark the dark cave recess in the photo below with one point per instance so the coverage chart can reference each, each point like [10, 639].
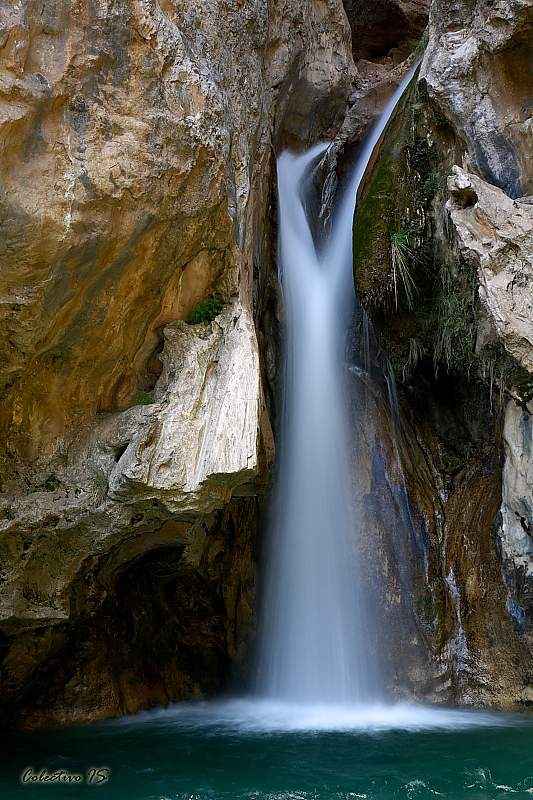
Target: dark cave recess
[383, 26]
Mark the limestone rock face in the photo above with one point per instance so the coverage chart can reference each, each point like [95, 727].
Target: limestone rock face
[201, 438]
[477, 69]
[136, 152]
[136, 165]
[465, 450]
[385, 28]
[452, 616]
[496, 233]
[478, 74]
[182, 456]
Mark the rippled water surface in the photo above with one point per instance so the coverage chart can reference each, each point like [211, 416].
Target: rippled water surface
[241, 749]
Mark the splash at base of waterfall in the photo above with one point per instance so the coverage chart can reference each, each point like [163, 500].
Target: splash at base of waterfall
[249, 715]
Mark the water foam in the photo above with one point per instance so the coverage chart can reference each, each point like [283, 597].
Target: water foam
[249, 716]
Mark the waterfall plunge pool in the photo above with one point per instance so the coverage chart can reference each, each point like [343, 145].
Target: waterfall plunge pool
[261, 750]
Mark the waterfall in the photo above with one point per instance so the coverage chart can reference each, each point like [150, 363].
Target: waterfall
[316, 642]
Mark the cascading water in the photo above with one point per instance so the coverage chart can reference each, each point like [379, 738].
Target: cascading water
[316, 644]
[313, 644]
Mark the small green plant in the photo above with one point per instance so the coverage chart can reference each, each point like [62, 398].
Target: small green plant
[456, 321]
[99, 484]
[402, 253]
[431, 185]
[179, 326]
[99, 477]
[142, 398]
[49, 485]
[206, 311]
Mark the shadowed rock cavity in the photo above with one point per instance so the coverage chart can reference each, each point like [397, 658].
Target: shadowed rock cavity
[385, 27]
[164, 616]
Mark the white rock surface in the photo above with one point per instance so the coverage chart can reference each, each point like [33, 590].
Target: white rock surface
[496, 234]
[203, 438]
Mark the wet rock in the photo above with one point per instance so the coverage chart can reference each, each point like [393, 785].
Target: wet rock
[165, 615]
[517, 496]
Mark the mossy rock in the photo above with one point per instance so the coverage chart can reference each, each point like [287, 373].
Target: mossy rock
[402, 183]
[376, 213]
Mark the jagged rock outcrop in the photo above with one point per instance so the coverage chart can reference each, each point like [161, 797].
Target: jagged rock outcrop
[136, 157]
[496, 234]
[183, 455]
[461, 346]
[477, 70]
[477, 73]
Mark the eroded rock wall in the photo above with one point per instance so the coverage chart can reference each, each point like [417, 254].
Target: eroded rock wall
[480, 76]
[136, 173]
[446, 278]
[477, 68]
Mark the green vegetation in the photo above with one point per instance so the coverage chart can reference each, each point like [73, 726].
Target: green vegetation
[206, 311]
[392, 259]
[454, 318]
[402, 255]
[432, 184]
[423, 307]
[49, 485]
[99, 477]
[424, 302]
[142, 398]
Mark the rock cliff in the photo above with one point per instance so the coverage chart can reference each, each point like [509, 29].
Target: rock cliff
[446, 277]
[138, 140]
[137, 148]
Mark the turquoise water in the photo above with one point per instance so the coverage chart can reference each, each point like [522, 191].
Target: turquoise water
[248, 750]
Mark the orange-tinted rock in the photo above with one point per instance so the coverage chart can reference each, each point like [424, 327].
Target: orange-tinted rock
[136, 181]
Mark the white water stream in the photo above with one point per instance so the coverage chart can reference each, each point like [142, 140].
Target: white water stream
[316, 644]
